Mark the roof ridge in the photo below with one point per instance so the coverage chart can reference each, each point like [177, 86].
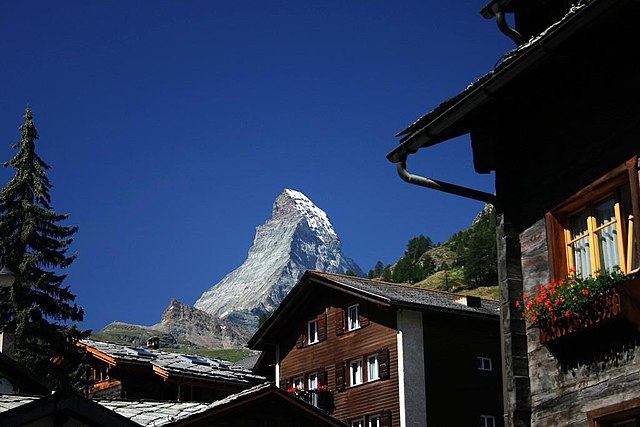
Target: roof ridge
[400, 285]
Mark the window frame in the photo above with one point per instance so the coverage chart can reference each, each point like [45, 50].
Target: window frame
[360, 378]
[487, 418]
[298, 380]
[558, 227]
[359, 421]
[316, 334]
[313, 378]
[374, 421]
[377, 368]
[609, 415]
[353, 320]
[481, 363]
[591, 233]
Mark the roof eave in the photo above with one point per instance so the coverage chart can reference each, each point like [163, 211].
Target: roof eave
[432, 133]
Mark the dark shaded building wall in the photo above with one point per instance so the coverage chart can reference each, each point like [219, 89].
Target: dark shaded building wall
[570, 120]
[453, 380]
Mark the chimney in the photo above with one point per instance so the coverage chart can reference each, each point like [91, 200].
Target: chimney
[469, 301]
[7, 343]
[153, 343]
[473, 301]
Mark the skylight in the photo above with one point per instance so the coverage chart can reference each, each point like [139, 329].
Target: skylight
[141, 352]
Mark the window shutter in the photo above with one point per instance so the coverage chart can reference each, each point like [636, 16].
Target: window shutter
[385, 419]
[634, 185]
[556, 246]
[363, 317]
[300, 341]
[384, 370]
[322, 327]
[322, 377]
[287, 384]
[339, 316]
[340, 376]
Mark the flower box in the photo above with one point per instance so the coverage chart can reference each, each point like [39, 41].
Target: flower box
[622, 301]
[320, 397]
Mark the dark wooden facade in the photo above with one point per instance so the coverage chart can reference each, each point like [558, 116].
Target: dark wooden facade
[331, 357]
[572, 120]
[559, 123]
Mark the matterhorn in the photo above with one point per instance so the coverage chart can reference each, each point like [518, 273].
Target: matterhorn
[298, 237]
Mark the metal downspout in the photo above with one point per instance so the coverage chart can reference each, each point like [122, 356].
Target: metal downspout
[442, 186]
[505, 29]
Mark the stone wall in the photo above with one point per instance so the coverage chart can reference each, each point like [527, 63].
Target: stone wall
[581, 373]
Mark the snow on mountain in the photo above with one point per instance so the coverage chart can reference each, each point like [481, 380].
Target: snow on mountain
[298, 237]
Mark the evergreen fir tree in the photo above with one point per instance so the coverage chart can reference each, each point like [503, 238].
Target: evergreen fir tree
[479, 257]
[387, 273]
[377, 270]
[38, 307]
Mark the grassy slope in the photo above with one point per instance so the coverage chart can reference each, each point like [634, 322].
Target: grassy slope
[452, 279]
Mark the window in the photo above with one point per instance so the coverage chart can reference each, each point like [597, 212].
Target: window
[313, 384]
[372, 368]
[623, 414]
[355, 372]
[357, 423]
[487, 421]
[374, 421]
[595, 236]
[353, 318]
[312, 331]
[484, 364]
[298, 383]
[593, 231]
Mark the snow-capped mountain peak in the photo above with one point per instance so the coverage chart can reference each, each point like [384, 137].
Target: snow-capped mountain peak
[298, 237]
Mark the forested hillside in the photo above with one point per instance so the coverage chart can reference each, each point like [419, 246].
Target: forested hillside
[465, 263]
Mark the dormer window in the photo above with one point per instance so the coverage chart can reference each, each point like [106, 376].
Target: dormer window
[353, 317]
[312, 331]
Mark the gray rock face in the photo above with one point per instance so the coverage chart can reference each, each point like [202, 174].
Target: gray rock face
[298, 237]
[195, 327]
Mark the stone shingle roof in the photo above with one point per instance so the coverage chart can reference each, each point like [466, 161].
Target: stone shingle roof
[154, 413]
[403, 295]
[144, 412]
[176, 364]
[10, 401]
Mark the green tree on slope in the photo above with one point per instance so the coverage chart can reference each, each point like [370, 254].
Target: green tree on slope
[38, 307]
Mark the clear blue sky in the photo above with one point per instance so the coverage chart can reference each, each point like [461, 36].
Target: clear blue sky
[171, 127]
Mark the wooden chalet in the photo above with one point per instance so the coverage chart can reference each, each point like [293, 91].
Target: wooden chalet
[381, 354]
[119, 371]
[558, 122]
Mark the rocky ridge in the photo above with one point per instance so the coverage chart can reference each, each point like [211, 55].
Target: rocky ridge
[299, 236]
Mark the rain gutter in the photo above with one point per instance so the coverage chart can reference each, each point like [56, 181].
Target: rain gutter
[532, 52]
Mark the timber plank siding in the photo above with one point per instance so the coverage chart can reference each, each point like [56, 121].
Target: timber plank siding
[368, 398]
